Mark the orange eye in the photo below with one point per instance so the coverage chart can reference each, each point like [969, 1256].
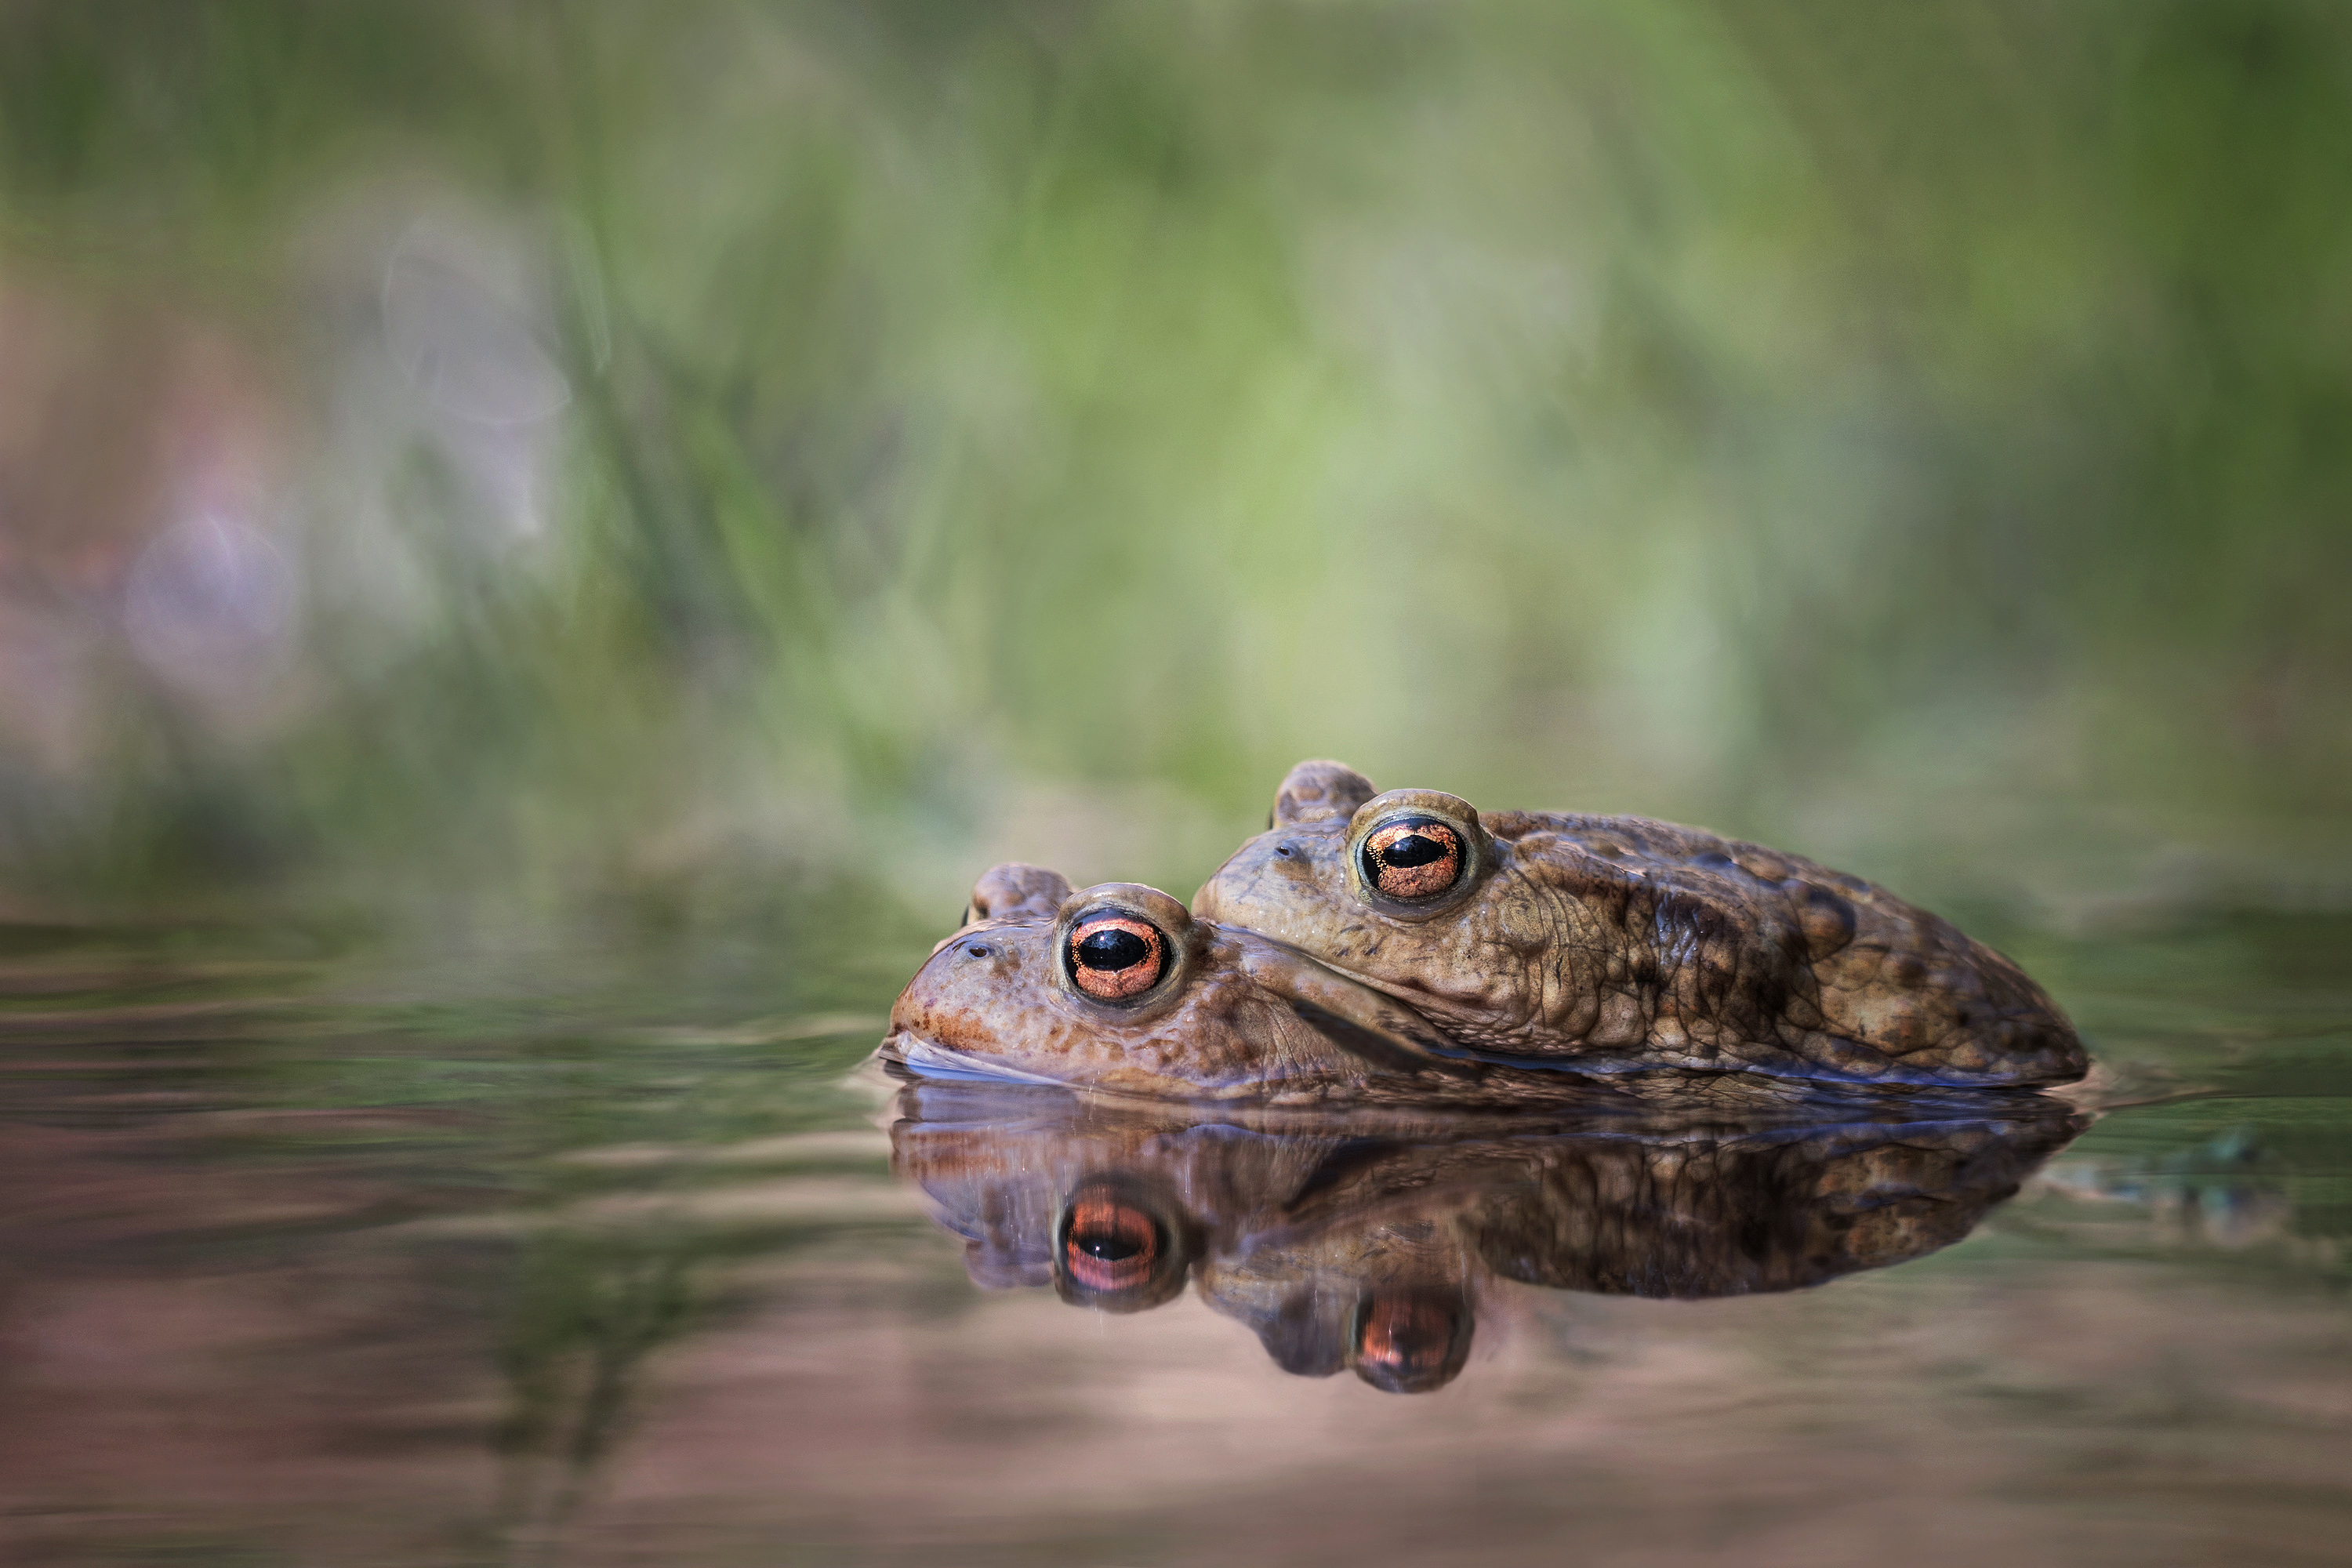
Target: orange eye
[1410, 1342]
[1413, 859]
[1113, 957]
[1110, 1246]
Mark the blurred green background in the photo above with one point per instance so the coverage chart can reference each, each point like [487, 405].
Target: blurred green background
[558, 462]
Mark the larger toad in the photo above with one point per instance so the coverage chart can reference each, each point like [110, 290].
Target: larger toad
[1608, 942]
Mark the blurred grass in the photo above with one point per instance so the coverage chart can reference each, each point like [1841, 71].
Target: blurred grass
[1915, 435]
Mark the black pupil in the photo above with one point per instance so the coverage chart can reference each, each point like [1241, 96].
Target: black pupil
[1115, 1247]
[1112, 950]
[1413, 849]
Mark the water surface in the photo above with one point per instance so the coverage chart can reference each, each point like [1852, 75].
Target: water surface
[313, 1255]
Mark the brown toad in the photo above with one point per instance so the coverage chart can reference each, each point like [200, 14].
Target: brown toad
[1612, 943]
[1119, 988]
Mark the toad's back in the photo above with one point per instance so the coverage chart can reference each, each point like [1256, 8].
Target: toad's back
[1723, 943]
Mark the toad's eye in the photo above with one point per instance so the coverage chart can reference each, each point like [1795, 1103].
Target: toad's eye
[1113, 957]
[1413, 859]
[1110, 1246]
[1410, 1342]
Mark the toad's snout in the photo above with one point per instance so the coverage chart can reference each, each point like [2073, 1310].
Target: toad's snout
[1262, 879]
[948, 1000]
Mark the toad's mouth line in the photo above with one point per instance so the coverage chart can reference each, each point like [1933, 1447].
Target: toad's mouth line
[1421, 1002]
[928, 1059]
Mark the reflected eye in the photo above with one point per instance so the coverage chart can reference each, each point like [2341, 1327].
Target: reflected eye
[1409, 1343]
[1117, 956]
[1408, 1334]
[1413, 859]
[1110, 1246]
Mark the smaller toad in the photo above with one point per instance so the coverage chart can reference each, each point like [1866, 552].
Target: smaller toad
[1119, 988]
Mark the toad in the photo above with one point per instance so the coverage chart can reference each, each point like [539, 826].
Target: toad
[1613, 942]
[1119, 988]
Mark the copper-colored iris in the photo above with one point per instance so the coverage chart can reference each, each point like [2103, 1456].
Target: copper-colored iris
[1407, 1336]
[1413, 860]
[1110, 1246]
[1115, 956]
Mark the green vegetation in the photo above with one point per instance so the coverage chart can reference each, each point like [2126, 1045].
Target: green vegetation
[1027, 429]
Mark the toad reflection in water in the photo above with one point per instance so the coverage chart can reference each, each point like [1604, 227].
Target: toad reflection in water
[1369, 1241]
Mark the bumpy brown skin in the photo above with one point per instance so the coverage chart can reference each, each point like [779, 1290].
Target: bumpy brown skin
[1610, 943]
[1238, 1016]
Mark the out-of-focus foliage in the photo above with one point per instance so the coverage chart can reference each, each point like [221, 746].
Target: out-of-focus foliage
[684, 446]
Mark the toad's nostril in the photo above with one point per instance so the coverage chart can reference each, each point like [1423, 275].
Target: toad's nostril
[977, 949]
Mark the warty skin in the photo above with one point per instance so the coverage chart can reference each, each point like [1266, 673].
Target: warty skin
[1607, 943]
[1227, 1016]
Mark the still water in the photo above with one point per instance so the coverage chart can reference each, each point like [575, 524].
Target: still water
[310, 1255]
